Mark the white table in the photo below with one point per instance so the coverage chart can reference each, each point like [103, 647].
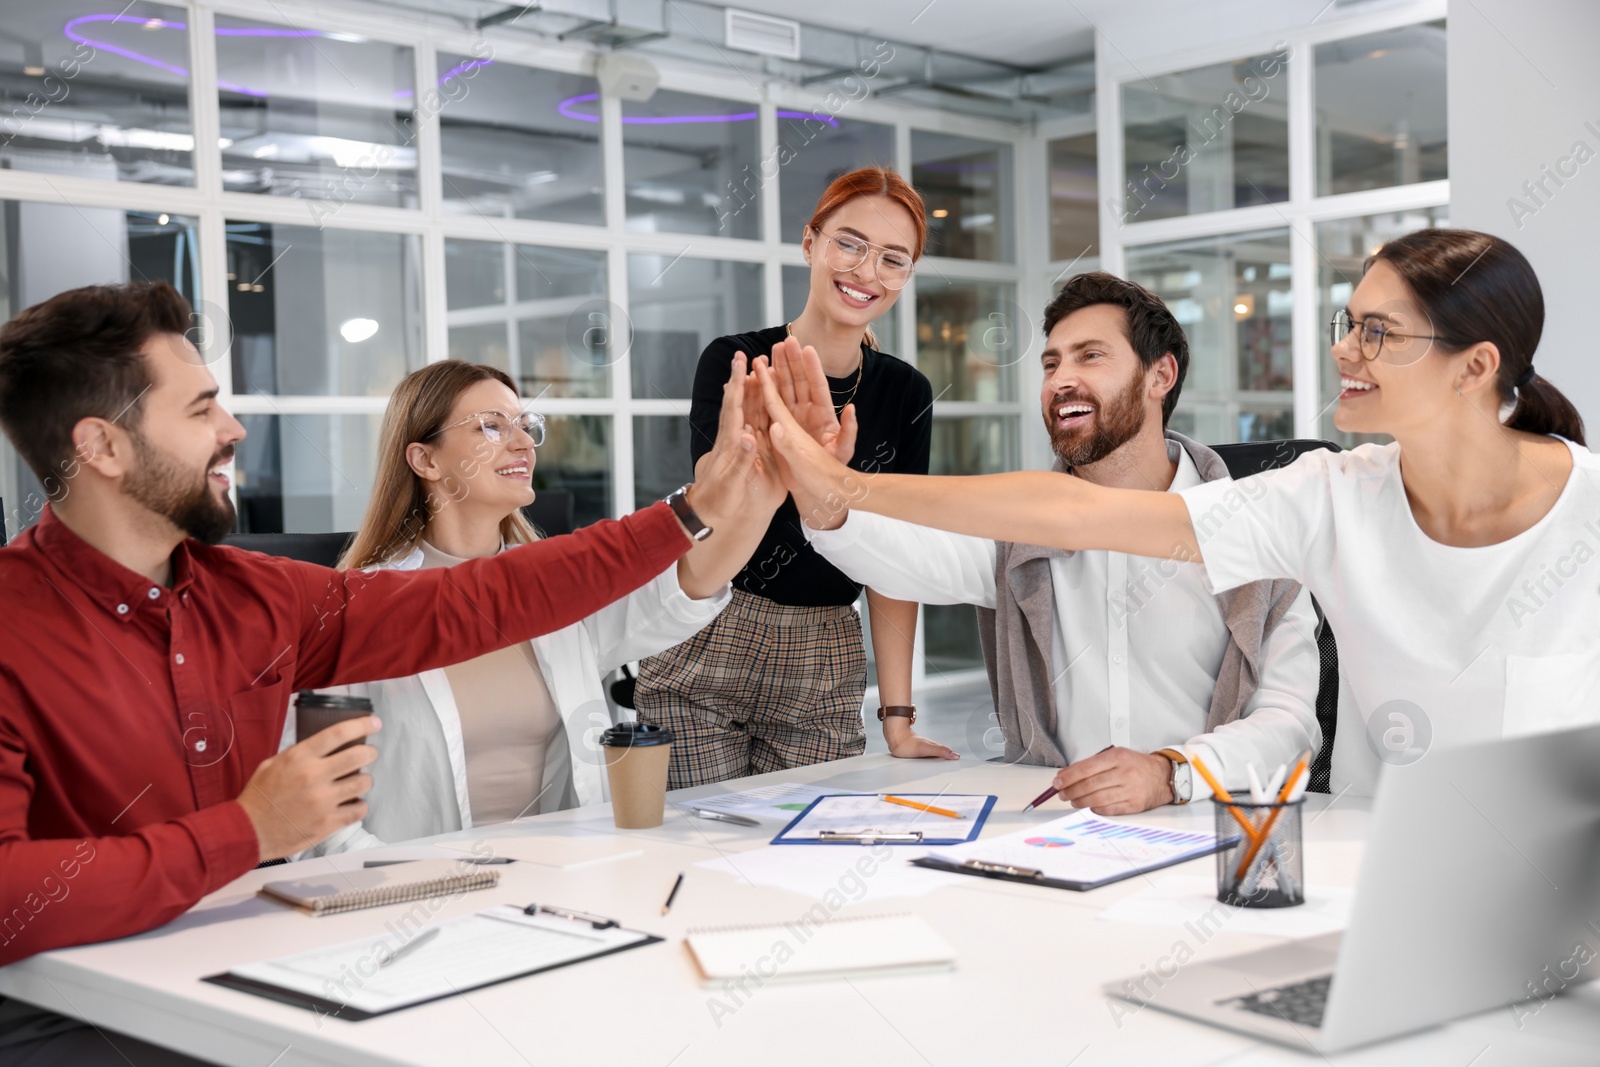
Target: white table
[1027, 988]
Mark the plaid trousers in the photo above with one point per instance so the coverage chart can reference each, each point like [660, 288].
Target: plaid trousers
[765, 687]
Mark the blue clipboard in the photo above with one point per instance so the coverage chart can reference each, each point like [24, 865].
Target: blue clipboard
[925, 825]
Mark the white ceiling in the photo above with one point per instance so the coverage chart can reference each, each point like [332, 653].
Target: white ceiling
[1039, 32]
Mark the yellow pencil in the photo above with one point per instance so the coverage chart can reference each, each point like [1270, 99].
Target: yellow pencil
[929, 808]
[1223, 795]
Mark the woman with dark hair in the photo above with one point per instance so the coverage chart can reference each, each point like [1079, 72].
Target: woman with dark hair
[510, 733]
[777, 681]
[1457, 565]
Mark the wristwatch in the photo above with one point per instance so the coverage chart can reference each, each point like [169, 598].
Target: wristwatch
[679, 503]
[904, 711]
[1182, 780]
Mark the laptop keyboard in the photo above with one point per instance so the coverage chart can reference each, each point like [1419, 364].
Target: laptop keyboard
[1301, 1003]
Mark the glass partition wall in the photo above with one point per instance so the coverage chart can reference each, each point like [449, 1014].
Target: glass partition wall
[382, 194]
[345, 197]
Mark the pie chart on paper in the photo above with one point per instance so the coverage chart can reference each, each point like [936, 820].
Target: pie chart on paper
[1050, 842]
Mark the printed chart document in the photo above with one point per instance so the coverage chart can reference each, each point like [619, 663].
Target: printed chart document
[1076, 851]
[870, 819]
[347, 981]
[782, 801]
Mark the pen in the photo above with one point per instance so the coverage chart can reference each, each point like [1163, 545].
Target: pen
[1052, 791]
[722, 816]
[673, 895]
[596, 921]
[1266, 831]
[410, 946]
[929, 808]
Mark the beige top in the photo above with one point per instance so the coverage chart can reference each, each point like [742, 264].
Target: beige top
[508, 722]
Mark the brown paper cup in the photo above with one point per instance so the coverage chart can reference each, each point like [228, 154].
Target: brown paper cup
[638, 776]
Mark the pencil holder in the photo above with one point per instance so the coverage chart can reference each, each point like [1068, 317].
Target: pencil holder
[1264, 866]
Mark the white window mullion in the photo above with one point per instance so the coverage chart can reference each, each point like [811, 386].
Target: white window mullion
[1305, 337]
[620, 335]
[425, 123]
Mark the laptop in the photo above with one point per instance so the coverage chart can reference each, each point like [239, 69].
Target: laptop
[1480, 889]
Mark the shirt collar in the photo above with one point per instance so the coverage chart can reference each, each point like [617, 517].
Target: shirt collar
[111, 585]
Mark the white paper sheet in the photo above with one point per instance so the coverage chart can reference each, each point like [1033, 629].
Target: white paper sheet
[1191, 902]
[782, 801]
[854, 873]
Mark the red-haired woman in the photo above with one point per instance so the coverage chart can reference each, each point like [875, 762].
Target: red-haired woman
[778, 679]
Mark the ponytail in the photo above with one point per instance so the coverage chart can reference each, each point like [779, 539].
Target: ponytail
[1542, 409]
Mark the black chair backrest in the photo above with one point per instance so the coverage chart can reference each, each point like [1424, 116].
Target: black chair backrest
[4, 540]
[320, 548]
[554, 511]
[1252, 457]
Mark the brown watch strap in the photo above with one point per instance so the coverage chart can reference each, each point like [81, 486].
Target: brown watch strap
[907, 711]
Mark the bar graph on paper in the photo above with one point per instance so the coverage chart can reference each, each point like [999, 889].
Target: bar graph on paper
[1082, 848]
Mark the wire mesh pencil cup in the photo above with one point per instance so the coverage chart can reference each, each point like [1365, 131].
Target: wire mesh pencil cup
[1264, 867]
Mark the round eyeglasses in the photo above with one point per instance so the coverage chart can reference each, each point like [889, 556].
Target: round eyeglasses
[497, 426]
[847, 252]
[1371, 338]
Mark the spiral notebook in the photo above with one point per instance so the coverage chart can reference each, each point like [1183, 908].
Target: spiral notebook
[336, 891]
[811, 951]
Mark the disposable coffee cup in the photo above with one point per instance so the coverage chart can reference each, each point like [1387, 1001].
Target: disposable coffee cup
[315, 712]
[637, 754]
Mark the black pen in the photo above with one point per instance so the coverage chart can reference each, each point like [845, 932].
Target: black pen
[673, 895]
[1052, 791]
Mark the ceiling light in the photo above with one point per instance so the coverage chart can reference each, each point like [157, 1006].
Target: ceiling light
[357, 330]
[1241, 309]
[152, 24]
[163, 218]
[940, 212]
[33, 71]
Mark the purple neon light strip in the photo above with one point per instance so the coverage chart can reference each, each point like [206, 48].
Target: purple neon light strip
[565, 107]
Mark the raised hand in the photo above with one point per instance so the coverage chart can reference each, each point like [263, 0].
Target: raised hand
[739, 473]
[804, 387]
[821, 484]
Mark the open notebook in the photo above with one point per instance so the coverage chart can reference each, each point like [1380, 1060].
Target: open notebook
[836, 948]
[334, 891]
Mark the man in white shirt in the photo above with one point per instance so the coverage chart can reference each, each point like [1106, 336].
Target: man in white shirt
[1119, 669]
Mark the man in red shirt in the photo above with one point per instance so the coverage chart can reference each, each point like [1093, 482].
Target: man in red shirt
[145, 671]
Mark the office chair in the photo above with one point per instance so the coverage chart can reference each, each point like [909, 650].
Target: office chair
[553, 511]
[1252, 457]
[323, 549]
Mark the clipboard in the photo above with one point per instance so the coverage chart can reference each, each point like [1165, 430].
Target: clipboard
[292, 979]
[1063, 843]
[883, 823]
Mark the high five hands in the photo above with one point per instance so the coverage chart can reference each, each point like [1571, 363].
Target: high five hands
[810, 443]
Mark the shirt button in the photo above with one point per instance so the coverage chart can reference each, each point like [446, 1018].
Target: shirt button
[179, 660]
[1117, 660]
[200, 746]
[122, 609]
[154, 593]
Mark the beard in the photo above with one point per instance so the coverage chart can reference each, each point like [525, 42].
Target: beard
[1115, 424]
[164, 487]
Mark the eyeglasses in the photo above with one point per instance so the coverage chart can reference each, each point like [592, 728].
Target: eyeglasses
[497, 426]
[1370, 338]
[847, 252]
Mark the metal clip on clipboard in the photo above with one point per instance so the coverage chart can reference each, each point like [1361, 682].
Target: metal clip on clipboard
[871, 837]
[598, 922]
[1003, 869]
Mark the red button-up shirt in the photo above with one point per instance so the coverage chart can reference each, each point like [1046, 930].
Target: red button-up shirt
[132, 715]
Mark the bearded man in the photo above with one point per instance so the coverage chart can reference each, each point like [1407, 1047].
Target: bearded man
[1118, 669]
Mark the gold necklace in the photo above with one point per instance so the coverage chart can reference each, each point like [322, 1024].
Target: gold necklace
[861, 368]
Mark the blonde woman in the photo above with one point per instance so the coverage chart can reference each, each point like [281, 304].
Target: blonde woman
[510, 733]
